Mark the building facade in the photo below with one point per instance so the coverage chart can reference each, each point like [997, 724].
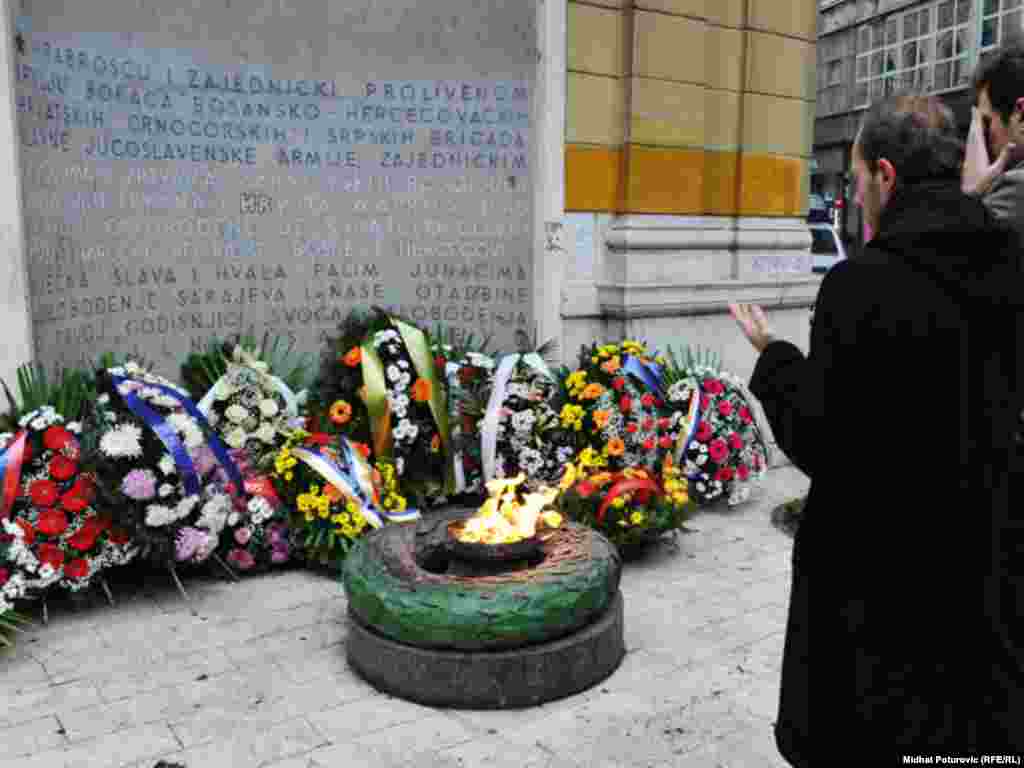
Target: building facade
[868, 49]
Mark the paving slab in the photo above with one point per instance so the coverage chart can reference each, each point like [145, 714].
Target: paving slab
[253, 674]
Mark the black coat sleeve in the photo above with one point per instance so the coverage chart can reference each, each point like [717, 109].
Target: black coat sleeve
[792, 388]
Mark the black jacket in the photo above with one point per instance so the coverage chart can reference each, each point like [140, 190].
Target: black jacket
[904, 634]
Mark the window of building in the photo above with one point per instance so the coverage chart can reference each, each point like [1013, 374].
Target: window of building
[926, 48]
[834, 73]
[1000, 20]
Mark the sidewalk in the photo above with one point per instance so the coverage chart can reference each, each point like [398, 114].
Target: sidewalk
[254, 674]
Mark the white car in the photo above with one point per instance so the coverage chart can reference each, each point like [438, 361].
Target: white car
[826, 247]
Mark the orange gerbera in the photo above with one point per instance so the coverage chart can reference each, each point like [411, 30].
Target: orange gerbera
[332, 492]
[341, 412]
[421, 391]
[616, 447]
[601, 479]
[612, 365]
[592, 391]
[353, 357]
[363, 448]
[435, 443]
[601, 418]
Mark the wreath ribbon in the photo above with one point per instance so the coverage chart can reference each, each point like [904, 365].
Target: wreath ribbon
[349, 481]
[489, 430]
[649, 373]
[625, 486]
[11, 460]
[689, 430]
[220, 451]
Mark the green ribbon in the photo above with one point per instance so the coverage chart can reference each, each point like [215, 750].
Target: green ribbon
[419, 351]
[376, 397]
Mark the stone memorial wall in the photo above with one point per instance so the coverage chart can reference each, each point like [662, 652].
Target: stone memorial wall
[254, 165]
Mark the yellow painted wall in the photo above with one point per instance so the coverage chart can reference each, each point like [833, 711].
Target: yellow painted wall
[689, 107]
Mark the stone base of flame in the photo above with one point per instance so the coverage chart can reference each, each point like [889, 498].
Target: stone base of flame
[516, 678]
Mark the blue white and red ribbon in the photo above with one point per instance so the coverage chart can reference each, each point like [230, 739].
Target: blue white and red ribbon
[11, 459]
[649, 373]
[489, 428]
[168, 436]
[220, 450]
[689, 429]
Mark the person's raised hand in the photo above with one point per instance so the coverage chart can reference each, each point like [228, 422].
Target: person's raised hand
[979, 172]
[754, 324]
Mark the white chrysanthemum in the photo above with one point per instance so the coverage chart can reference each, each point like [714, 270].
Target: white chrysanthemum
[215, 514]
[394, 372]
[400, 465]
[403, 364]
[165, 490]
[185, 506]
[266, 433]
[75, 427]
[268, 408]
[405, 381]
[167, 465]
[237, 414]
[103, 399]
[260, 509]
[236, 438]
[123, 441]
[158, 515]
[479, 360]
[233, 518]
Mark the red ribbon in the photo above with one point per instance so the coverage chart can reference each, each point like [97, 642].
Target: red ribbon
[11, 460]
[625, 486]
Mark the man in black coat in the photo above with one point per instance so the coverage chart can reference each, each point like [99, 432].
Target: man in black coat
[904, 635]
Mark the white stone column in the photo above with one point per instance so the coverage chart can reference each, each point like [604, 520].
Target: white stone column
[549, 168]
[15, 305]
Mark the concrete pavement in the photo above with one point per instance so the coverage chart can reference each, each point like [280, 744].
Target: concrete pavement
[253, 674]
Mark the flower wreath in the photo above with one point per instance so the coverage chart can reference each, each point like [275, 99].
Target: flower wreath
[380, 388]
[520, 431]
[470, 381]
[728, 453]
[248, 407]
[630, 507]
[162, 472]
[258, 534]
[49, 497]
[616, 406]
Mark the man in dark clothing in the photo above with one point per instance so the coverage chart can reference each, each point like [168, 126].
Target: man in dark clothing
[904, 636]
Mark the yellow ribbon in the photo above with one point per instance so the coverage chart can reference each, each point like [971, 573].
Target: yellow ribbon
[374, 394]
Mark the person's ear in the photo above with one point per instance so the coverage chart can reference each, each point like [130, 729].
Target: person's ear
[888, 174]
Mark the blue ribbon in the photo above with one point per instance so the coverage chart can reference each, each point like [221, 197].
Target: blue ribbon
[648, 373]
[220, 451]
[168, 436]
[11, 459]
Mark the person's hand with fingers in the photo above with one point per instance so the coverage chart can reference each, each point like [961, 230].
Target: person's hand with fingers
[754, 324]
[979, 172]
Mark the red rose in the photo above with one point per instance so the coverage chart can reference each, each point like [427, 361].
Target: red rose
[625, 403]
[735, 442]
[649, 444]
[718, 450]
[664, 423]
[56, 438]
[665, 441]
[26, 527]
[4, 576]
[713, 386]
[44, 493]
[705, 402]
[318, 438]
[703, 432]
[62, 468]
[745, 415]
[85, 539]
[724, 474]
[77, 569]
[50, 554]
[52, 522]
[72, 503]
[647, 400]
[466, 374]
[440, 362]
[618, 383]
[724, 407]
[585, 488]
[84, 487]
[632, 428]
[743, 471]
[648, 424]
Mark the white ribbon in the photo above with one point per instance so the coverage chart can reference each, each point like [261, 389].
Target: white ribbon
[489, 431]
[451, 372]
[688, 427]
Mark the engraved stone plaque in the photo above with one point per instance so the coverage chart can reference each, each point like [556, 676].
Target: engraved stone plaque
[250, 165]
